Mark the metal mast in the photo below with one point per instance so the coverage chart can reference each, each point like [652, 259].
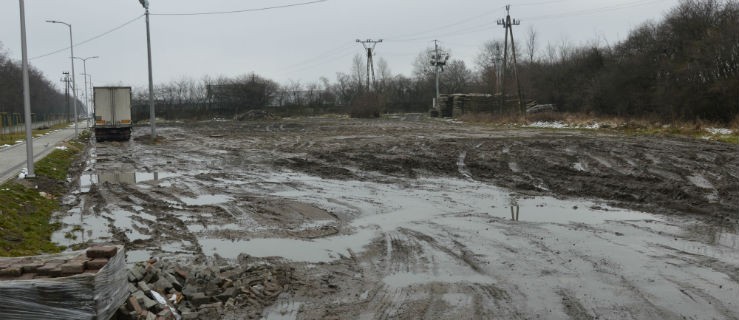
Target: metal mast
[369, 45]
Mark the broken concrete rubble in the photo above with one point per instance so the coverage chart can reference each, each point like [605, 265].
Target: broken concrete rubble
[243, 289]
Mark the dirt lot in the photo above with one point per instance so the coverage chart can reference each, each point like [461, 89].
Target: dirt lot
[408, 217]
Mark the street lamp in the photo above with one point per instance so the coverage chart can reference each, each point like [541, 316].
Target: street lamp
[152, 117]
[87, 99]
[92, 103]
[74, 84]
[26, 94]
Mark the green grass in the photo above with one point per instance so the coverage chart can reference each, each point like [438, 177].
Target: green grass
[26, 206]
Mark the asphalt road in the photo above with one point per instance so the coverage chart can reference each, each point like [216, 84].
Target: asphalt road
[13, 158]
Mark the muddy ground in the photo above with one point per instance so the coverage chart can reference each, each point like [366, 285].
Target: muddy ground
[408, 217]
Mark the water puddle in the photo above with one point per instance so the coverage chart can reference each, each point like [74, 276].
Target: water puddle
[287, 310]
[316, 250]
[378, 208]
[78, 228]
[114, 177]
[406, 279]
[132, 223]
[207, 199]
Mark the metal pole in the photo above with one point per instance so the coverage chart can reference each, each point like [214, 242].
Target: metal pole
[152, 116]
[74, 83]
[26, 95]
[436, 66]
[92, 101]
[87, 99]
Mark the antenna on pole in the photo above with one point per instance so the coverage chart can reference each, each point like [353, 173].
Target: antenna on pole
[508, 24]
[369, 45]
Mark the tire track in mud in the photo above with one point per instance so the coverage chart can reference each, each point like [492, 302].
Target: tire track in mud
[463, 256]
[573, 307]
[403, 252]
[695, 293]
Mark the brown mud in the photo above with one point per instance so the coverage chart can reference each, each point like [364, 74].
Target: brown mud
[407, 217]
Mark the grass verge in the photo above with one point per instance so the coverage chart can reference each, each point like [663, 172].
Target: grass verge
[26, 205]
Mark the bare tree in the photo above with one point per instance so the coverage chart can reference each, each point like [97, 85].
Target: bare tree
[531, 44]
[359, 70]
[456, 77]
[489, 65]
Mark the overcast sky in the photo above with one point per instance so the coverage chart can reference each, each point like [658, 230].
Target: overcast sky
[300, 43]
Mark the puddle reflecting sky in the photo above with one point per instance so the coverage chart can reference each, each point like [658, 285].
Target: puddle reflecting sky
[116, 177]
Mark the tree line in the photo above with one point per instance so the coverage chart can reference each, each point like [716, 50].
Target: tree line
[685, 67]
[46, 100]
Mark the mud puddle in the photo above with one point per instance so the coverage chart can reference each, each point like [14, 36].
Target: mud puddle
[375, 208]
[86, 180]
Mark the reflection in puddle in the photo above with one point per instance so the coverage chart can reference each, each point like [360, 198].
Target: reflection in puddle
[316, 250]
[115, 177]
[514, 216]
[81, 228]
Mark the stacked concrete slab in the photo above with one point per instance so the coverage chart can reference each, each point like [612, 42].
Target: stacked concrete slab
[455, 105]
[86, 284]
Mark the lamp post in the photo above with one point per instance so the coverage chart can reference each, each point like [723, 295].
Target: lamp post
[152, 116]
[87, 99]
[92, 100]
[74, 84]
[26, 94]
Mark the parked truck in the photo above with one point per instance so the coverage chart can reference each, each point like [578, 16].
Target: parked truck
[112, 113]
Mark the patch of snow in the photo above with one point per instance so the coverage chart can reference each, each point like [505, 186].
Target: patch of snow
[546, 124]
[61, 148]
[716, 131]
[23, 173]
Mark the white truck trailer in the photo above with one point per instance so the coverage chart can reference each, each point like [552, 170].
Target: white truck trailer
[112, 113]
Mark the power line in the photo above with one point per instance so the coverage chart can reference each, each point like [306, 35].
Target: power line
[410, 37]
[90, 39]
[319, 61]
[418, 36]
[320, 56]
[240, 11]
[621, 6]
[174, 14]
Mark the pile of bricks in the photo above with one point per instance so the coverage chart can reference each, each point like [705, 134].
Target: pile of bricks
[38, 267]
[199, 291]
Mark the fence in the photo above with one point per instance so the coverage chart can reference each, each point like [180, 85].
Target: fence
[13, 123]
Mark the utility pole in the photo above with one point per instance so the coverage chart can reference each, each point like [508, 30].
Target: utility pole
[66, 80]
[152, 114]
[438, 60]
[369, 45]
[508, 24]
